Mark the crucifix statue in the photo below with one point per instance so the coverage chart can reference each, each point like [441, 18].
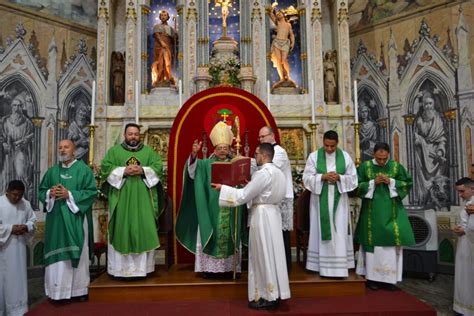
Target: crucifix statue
[224, 4]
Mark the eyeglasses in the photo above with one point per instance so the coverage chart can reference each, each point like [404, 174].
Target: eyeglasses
[262, 136]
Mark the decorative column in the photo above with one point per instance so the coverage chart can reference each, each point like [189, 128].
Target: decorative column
[103, 31]
[130, 53]
[246, 76]
[190, 49]
[383, 124]
[409, 119]
[144, 48]
[452, 151]
[258, 58]
[202, 78]
[304, 46]
[37, 124]
[317, 73]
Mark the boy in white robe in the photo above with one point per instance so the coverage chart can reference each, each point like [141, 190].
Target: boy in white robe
[330, 174]
[268, 275]
[463, 300]
[17, 226]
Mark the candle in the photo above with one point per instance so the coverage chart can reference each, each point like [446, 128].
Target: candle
[313, 110]
[268, 94]
[93, 104]
[180, 93]
[356, 107]
[136, 102]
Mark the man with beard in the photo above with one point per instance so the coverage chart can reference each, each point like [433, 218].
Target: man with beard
[18, 133]
[67, 192]
[132, 172]
[430, 148]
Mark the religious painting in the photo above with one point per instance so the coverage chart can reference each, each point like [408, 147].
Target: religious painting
[78, 113]
[17, 136]
[363, 13]
[369, 131]
[292, 139]
[431, 147]
[80, 11]
[158, 138]
[162, 30]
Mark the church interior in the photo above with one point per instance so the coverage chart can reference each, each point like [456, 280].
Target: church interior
[397, 71]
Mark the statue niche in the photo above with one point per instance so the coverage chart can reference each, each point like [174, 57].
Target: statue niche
[330, 77]
[117, 76]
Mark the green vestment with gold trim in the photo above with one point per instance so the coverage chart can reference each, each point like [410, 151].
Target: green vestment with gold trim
[64, 231]
[134, 208]
[200, 208]
[383, 220]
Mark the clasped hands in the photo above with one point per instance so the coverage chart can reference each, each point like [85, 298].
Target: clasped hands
[59, 192]
[381, 178]
[331, 177]
[133, 170]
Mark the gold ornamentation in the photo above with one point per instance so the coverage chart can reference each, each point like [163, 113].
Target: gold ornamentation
[131, 14]
[145, 10]
[192, 13]
[320, 109]
[450, 114]
[409, 119]
[304, 56]
[37, 121]
[103, 14]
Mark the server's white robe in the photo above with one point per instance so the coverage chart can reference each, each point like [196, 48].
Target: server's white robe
[268, 276]
[463, 300]
[13, 275]
[332, 258]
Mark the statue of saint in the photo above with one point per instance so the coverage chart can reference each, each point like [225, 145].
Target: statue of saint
[282, 44]
[164, 38]
[330, 77]
[117, 74]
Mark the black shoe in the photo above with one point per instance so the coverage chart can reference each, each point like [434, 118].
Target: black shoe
[264, 304]
[391, 287]
[372, 285]
[82, 298]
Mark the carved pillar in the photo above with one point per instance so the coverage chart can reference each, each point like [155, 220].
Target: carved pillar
[246, 77]
[304, 46]
[180, 48]
[130, 52]
[452, 152]
[190, 50]
[343, 55]
[37, 124]
[393, 82]
[144, 48]
[317, 73]
[258, 50]
[383, 124]
[202, 79]
[103, 35]
[409, 119]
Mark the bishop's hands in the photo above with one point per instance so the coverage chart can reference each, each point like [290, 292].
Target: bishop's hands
[59, 192]
[196, 148]
[133, 170]
[331, 177]
[216, 186]
[19, 229]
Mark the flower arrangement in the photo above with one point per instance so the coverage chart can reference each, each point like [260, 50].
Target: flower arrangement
[224, 70]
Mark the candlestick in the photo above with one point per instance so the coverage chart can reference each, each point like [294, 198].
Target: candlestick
[180, 93]
[136, 102]
[356, 107]
[93, 104]
[313, 110]
[357, 144]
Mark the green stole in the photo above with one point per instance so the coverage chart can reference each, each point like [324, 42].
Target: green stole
[321, 168]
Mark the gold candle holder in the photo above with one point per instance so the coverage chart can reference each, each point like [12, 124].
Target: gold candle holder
[357, 144]
[314, 128]
[91, 145]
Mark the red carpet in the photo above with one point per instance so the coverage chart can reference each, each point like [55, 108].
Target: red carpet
[373, 303]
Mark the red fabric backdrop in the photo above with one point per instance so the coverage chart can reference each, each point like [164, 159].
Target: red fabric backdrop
[200, 113]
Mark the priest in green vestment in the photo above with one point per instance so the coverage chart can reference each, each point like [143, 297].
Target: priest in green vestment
[383, 226]
[202, 226]
[67, 191]
[132, 172]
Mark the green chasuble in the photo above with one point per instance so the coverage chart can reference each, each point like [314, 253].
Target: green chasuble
[383, 221]
[64, 232]
[135, 208]
[200, 206]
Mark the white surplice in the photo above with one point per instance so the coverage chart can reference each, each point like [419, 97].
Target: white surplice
[204, 262]
[332, 258]
[463, 300]
[385, 264]
[267, 276]
[135, 264]
[13, 275]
